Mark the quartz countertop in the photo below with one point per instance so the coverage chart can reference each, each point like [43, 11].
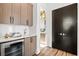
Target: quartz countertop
[3, 40]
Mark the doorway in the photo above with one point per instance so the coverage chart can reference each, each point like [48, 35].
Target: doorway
[43, 41]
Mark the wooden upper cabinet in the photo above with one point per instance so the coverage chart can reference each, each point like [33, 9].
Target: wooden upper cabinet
[27, 14]
[16, 13]
[1, 12]
[24, 16]
[5, 13]
[30, 14]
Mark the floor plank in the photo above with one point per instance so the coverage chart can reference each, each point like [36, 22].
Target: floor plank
[49, 53]
[53, 52]
[64, 54]
[69, 54]
[42, 53]
[59, 53]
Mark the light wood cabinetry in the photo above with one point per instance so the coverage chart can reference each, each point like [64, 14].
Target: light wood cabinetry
[16, 13]
[10, 13]
[5, 13]
[1, 12]
[24, 16]
[30, 14]
[27, 46]
[30, 46]
[27, 14]
[33, 45]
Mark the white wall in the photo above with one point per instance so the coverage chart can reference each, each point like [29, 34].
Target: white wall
[6, 28]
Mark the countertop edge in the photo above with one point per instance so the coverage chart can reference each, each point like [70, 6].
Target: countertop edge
[14, 39]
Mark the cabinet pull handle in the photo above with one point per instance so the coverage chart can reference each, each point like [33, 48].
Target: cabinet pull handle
[31, 39]
[10, 19]
[13, 19]
[26, 22]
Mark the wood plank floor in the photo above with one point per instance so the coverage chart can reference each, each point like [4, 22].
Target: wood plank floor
[53, 52]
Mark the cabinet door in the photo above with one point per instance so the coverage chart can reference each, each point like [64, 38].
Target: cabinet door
[24, 14]
[5, 11]
[30, 14]
[1, 12]
[30, 46]
[33, 45]
[27, 46]
[16, 13]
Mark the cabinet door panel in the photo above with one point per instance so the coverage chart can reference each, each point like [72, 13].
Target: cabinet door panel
[6, 13]
[1, 12]
[16, 13]
[33, 45]
[27, 47]
[24, 14]
[30, 46]
[30, 14]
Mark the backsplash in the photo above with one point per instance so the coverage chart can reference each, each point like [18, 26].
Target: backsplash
[6, 28]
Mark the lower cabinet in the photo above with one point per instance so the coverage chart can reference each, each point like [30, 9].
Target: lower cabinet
[30, 46]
